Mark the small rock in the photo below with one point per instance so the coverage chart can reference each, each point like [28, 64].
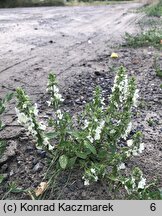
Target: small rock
[84, 194]
[29, 148]
[9, 152]
[77, 101]
[51, 41]
[41, 153]
[35, 161]
[81, 98]
[22, 171]
[38, 167]
[89, 65]
[11, 173]
[24, 138]
[97, 73]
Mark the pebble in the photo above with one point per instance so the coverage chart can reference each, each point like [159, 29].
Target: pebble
[41, 153]
[11, 173]
[97, 73]
[29, 148]
[35, 161]
[9, 152]
[38, 167]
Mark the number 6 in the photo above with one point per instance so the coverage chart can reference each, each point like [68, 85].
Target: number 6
[153, 207]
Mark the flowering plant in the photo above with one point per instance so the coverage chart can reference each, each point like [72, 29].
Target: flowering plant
[97, 140]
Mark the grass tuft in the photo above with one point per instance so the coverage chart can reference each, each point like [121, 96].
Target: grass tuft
[148, 38]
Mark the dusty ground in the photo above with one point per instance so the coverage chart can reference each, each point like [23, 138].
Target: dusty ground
[35, 41]
[76, 43]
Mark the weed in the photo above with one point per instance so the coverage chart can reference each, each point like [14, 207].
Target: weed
[91, 142]
[151, 37]
[151, 122]
[154, 9]
[157, 67]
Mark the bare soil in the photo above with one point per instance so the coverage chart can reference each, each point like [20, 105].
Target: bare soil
[75, 43]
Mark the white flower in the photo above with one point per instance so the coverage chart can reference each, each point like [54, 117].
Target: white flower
[128, 153]
[102, 123]
[50, 147]
[33, 133]
[121, 166]
[128, 130]
[35, 110]
[97, 134]
[59, 97]
[48, 103]
[86, 182]
[22, 118]
[112, 131]
[102, 101]
[24, 106]
[123, 87]
[30, 126]
[141, 148]
[129, 143]
[86, 123]
[135, 97]
[59, 114]
[96, 178]
[93, 170]
[116, 104]
[98, 130]
[55, 89]
[135, 151]
[42, 126]
[46, 141]
[90, 138]
[142, 183]
[17, 111]
[133, 183]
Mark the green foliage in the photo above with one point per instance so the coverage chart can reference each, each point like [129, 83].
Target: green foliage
[154, 9]
[157, 67]
[151, 37]
[91, 141]
[29, 3]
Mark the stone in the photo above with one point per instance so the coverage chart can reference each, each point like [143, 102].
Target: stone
[9, 152]
[38, 167]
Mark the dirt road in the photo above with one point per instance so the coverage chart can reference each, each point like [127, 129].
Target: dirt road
[34, 41]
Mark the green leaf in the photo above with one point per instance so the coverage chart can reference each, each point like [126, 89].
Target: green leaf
[71, 162]
[1, 125]
[8, 97]
[2, 109]
[90, 147]
[1, 178]
[77, 134]
[81, 155]
[63, 160]
[51, 135]
[102, 154]
[160, 191]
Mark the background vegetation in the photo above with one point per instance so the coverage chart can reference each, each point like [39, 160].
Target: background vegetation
[28, 3]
